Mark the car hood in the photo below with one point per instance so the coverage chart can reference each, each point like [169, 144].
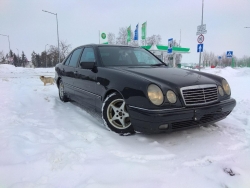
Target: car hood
[174, 77]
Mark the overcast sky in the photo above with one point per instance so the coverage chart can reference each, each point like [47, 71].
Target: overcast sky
[30, 29]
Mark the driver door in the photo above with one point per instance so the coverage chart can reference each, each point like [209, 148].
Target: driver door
[85, 79]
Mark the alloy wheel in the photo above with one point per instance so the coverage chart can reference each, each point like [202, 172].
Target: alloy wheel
[117, 114]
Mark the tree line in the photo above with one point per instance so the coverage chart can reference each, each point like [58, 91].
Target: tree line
[48, 58]
[210, 59]
[11, 57]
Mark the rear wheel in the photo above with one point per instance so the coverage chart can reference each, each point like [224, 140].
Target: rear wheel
[115, 114]
[62, 94]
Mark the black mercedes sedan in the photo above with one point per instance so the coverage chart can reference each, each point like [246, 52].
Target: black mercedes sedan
[137, 92]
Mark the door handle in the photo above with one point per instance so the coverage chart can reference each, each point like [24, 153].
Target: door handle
[75, 72]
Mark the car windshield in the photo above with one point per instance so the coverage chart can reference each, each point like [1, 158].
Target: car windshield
[127, 56]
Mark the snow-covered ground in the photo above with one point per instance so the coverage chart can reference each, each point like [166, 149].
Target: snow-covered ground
[47, 143]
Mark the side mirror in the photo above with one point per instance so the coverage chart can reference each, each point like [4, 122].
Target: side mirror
[87, 65]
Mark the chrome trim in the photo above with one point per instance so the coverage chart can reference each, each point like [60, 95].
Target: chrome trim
[82, 90]
[161, 110]
[199, 87]
[181, 108]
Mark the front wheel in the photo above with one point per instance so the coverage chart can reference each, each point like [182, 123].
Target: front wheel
[115, 114]
[62, 94]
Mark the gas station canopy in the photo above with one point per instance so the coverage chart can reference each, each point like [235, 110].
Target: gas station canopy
[160, 49]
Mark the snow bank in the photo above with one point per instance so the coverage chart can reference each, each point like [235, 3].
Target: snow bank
[47, 143]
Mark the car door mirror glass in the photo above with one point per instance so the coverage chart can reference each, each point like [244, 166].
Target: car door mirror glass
[87, 65]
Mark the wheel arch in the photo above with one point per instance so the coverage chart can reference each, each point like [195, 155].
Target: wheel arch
[57, 81]
[110, 92]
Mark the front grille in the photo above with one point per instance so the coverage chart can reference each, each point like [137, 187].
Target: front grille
[205, 119]
[199, 94]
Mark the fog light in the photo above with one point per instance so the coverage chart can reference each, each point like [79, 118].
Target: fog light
[164, 126]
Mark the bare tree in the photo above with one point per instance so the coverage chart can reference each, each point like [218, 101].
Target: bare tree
[205, 58]
[122, 36]
[208, 59]
[244, 62]
[154, 39]
[52, 56]
[64, 49]
[111, 38]
[225, 60]
[213, 59]
[178, 57]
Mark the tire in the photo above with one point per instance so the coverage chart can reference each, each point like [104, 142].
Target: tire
[115, 115]
[61, 91]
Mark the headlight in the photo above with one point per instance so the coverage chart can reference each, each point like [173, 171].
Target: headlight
[155, 94]
[226, 87]
[171, 96]
[221, 92]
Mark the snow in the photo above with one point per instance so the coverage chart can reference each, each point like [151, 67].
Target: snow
[47, 143]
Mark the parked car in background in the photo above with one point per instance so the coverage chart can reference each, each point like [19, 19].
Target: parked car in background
[136, 91]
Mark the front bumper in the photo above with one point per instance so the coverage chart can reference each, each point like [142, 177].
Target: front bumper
[148, 121]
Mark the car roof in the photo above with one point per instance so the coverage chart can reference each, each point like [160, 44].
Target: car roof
[113, 45]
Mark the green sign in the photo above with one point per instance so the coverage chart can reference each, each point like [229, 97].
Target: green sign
[129, 34]
[143, 30]
[103, 35]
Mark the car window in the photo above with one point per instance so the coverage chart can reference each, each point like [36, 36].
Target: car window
[74, 58]
[145, 58]
[68, 59]
[88, 55]
[126, 56]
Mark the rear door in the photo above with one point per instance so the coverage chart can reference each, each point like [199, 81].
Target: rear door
[69, 72]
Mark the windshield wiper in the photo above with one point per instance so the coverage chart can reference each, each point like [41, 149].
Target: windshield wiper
[159, 64]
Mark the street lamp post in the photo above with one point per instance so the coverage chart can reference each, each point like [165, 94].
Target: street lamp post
[8, 39]
[9, 43]
[46, 55]
[57, 33]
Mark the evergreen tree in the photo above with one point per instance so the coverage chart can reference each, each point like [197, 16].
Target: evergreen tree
[15, 60]
[33, 59]
[11, 53]
[38, 60]
[1, 56]
[23, 59]
[43, 59]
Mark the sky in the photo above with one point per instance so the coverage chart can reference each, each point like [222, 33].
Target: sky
[79, 22]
